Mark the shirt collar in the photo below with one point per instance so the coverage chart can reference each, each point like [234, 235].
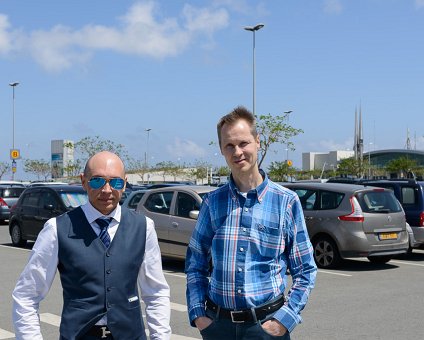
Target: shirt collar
[259, 191]
[93, 214]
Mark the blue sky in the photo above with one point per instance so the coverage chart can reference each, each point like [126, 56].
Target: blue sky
[115, 68]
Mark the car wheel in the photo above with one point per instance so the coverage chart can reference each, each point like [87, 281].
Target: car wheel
[379, 259]
[16, 236]
[326, 254]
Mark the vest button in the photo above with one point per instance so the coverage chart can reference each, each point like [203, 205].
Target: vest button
[108, 271]
[109, 289]
[107, 254]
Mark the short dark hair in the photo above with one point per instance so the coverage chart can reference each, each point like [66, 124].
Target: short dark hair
[240, 112]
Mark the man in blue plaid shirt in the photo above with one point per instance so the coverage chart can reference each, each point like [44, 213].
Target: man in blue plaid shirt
[253, 230]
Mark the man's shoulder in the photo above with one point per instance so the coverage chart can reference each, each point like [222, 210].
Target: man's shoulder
[279, 189]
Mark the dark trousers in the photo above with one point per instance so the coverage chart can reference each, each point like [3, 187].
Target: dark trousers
[222, 328]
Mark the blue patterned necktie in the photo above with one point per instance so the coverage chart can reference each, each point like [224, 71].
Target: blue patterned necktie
[103, 223]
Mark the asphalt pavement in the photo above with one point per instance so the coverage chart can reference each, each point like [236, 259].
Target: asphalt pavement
[359, 300]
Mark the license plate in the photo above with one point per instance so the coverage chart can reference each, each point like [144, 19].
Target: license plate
[387, 236]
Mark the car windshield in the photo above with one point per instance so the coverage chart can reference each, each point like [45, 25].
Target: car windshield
[379, 202]
[73, 199]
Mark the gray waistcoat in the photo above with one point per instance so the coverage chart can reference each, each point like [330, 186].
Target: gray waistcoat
[98, 281]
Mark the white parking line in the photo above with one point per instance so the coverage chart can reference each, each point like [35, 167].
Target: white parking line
[409, 263]
[6, 335]
[333, 273]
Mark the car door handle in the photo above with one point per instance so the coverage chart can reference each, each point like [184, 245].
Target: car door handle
[175, 224]
[308, 218]
[38, 218]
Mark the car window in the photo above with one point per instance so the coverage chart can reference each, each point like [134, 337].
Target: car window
[330, 200]
[132, 204]
[30, 199]
[159, 202]
[379, 202]
[48, 199]
[73, 199]
[185, 204]
[307, 198]
[409, 195]
[11, 192]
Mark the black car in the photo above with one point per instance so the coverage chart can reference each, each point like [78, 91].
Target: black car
[38, 204]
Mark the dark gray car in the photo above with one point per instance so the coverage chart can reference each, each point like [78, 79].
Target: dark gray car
[346, 220]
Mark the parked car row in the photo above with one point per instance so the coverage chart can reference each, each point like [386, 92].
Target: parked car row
[343, 220]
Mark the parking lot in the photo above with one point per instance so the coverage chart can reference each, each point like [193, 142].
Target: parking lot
[360, 300]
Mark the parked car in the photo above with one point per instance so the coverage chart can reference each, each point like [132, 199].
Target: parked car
[131, 202]
[38, 204]
[9, 194]
[410, 194]
[174, 211]
[347, 220]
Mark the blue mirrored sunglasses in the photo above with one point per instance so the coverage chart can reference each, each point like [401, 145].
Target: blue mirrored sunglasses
[99, 182]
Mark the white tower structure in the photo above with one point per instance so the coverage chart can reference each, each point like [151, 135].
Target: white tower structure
[61, 155]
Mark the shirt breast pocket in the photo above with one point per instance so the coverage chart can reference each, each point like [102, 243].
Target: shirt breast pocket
[267, 239]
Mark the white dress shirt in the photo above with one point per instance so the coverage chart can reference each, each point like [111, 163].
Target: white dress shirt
[38, 275]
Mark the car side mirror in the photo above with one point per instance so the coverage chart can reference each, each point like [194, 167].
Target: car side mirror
[194, 214]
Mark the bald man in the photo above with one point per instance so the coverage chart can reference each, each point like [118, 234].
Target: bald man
[108, 258]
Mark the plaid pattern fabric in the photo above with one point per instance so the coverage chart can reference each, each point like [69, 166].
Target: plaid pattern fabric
[252, 239]
[103, 223]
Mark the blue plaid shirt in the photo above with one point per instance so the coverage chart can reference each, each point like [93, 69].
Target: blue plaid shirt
[253, 240]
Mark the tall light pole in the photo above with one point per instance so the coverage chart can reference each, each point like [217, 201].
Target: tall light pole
[13, 127]
[146, 154]
[369, 161]
[254, 29]
[287, 113]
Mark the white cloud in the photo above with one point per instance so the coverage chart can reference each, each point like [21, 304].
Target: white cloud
[5, 41]
[333, 6]
[185, 148]
[331, 145]
[140, 32]
[419, 3]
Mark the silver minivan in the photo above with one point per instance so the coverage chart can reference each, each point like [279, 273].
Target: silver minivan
[346, 220]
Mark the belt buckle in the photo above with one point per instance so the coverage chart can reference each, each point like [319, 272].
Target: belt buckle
[235, 312]
[105, 332]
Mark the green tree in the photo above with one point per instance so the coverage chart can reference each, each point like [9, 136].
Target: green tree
[38, 167]
[137, 167]
[275, 129]
[73, 168]
[350, 167]
[88, 146]
[223, 171]
[200, 170]
[402, 166]
[280, 171]
[4, 168]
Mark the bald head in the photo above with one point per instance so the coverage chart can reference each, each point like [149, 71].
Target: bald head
[105, 165]
[101, 160]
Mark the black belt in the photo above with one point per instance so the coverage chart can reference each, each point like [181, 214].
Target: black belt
[246, 315]
[101, 332]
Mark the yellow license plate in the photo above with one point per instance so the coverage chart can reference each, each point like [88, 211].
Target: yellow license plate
[388, 236]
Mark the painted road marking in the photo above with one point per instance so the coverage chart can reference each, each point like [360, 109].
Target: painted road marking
[6, 335]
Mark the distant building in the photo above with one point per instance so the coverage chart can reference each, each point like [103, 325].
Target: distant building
[61, 157]
[324, 161]
[380, 158]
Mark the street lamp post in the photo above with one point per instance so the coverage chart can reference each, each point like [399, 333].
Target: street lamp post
[369, 160]
[254, 29]
[13, 127]
[146, 154]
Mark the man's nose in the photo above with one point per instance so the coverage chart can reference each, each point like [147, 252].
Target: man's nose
[107, 187]
[237, 151]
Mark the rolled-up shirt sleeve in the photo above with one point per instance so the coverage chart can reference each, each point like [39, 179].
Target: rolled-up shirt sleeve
[34, 283]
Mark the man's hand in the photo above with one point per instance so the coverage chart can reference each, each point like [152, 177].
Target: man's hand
[202, 322]
[274, 327]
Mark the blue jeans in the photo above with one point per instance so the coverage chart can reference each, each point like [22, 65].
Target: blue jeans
[221, 329]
